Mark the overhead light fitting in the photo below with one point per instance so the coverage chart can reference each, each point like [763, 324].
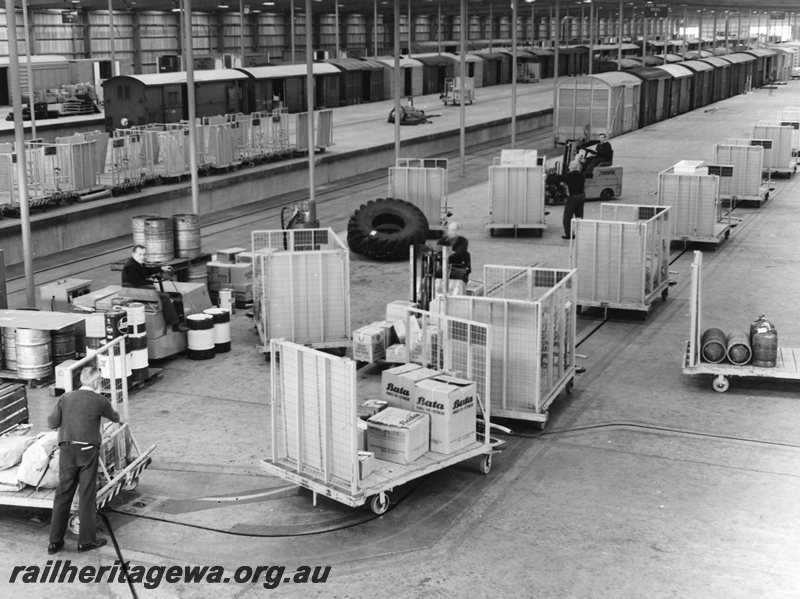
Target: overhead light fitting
[222, 6]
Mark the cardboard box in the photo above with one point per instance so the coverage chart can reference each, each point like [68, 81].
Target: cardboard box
[369, 344]
[398, 309]
[397, 384]
[398, 436]
[397, 354]
[227, 255]
[371, 407]
[245, 257]
[240, 274]
[218, 273]
[451, 404]
[366, 463]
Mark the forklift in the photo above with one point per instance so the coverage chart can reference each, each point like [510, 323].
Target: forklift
[603, 182]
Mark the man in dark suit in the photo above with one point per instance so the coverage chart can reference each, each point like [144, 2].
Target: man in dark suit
[77, 416]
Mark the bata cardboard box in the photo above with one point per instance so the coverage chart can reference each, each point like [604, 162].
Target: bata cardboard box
[398, 436]
[240, 274]
[450, 402]
[218, 273]
[397, 354]
[371, 407]
[397, 384]
[245, 257]
[369, 343]
[398, 309]
[227, 255]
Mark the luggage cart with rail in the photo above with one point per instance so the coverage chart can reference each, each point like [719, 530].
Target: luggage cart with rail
[121, 459]
[315, 434]
[787, 364]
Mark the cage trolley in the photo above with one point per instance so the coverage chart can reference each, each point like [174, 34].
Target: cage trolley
[121, 459]
[315, 438]
[787, 364]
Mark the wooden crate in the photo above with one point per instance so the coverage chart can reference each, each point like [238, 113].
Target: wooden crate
[696, 213]
[748, 163]
[516, 196]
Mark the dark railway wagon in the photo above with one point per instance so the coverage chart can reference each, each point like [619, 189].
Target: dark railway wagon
[654, 94]
[360, 80]
[720, 77]
[702, 84]
[162, 97]
[680, 99]
[763, 70]
[435, 69]
[496, 68]
[741, 74]
[285, 85]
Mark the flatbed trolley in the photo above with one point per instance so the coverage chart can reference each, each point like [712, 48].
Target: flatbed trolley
[787, 364]
[121, 459]
[315, 434]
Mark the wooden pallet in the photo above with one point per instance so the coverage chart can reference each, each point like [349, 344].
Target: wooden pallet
[11, 375]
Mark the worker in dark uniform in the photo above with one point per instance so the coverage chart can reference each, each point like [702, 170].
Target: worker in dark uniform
[459, 260]
[77, 416]
[573, 207]
[136, 274]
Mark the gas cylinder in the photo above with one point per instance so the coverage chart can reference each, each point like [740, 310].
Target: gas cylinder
[764, 343]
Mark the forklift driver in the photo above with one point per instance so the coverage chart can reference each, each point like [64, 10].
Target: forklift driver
[136, 274]
[603, 155]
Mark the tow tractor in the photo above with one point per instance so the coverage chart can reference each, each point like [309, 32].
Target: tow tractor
[604, 182]
[163, 340]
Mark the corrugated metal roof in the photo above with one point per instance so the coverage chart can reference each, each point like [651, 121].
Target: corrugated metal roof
[180, 77]
[611, 78]
[289, 70]
[469, 57]
[434, 59]
[697, 65]
[353, 64]
[760, 52]
[676, 70]
[404, 61]
[716, 61]
[650, 73]
[492, 55]
[739, 57]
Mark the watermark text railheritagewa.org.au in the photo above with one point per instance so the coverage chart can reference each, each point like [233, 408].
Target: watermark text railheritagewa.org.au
[151, 577]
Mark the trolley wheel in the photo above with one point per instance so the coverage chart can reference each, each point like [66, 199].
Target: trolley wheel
[492, 232]
[130, 484]
[74, 523]
[727, 233]
[665, 294]
[379, 504]
[607, 194]
[485, 463]
[721, 383]
[569, 386]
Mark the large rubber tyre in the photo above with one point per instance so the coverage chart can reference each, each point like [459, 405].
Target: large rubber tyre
[385, 228]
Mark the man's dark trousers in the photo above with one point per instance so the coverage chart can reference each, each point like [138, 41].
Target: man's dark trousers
[77, 464]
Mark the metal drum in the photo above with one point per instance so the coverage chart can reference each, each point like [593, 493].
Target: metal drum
[738, 348]
[63, 341]
[116, 323]
[222, 329]
[137, 341]
[714, 345]
[198, 273]
[34, 359]
[186, 230]
[200, 337]
[10, 347]
[137, 227]
[158, 239]
[95, 331]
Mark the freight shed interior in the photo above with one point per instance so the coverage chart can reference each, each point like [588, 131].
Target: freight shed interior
[644, 482]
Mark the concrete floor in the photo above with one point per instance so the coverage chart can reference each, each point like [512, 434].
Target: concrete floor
[646, 483]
